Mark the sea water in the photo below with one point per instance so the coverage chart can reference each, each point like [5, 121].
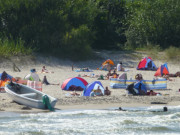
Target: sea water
[142, 120]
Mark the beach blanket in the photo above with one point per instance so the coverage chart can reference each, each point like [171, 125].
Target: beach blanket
[80, 70]
[150, 84]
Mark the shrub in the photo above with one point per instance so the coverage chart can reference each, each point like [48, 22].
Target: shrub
[9, 48]
[172, 53]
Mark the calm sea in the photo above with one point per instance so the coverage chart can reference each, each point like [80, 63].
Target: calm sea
[144, 120]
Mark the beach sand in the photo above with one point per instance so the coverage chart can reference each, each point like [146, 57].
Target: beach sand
[63, 69]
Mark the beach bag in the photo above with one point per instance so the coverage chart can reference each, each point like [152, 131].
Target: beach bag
[35, 85]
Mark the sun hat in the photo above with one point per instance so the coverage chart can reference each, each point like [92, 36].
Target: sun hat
[33, 70]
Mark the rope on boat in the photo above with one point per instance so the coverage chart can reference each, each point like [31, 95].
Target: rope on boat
[46, 102]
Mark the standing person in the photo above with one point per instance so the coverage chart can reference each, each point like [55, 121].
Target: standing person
[33, 76]
[119, 67]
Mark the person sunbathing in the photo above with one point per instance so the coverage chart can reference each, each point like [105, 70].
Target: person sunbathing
[84, 69]
[177, 74]
[74, 93]
[45, 81]
[44, 70]
[152, 93]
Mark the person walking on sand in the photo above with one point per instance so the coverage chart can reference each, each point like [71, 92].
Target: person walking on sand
[33, 76]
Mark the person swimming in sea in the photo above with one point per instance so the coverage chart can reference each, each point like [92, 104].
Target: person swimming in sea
[165, 109]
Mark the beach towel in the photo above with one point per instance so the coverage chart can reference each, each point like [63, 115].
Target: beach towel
[80, 70]
[35, 85]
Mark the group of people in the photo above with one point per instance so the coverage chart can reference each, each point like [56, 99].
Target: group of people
[32, 76]
[98, 92]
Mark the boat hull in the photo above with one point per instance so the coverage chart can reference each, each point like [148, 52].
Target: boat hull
[34, 101]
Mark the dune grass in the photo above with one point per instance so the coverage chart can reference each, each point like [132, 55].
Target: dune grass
[11, 48]
[173, 53]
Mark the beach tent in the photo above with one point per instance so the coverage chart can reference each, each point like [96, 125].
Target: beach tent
[162, 70]
[104, 63]
[76, 81]
[108, 60]
[123, 76]
[93, 86]
[135, 88]
[8, 77]
[146, 64]
[2, 83]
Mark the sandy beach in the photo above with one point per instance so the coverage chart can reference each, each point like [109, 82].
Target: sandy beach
[63, 69]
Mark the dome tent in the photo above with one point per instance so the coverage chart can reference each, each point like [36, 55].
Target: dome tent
[146, 64]
[162, 70]
[77, 81]
[92, 86]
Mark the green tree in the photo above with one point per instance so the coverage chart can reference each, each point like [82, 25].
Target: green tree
[153, 22]
[108, 24]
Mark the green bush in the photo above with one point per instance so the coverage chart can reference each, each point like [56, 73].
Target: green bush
[154, 21]
[11, 48]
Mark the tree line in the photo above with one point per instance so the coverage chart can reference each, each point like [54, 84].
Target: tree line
[72, 28]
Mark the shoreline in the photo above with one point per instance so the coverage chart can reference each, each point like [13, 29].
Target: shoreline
[91, 107]
[101, 106]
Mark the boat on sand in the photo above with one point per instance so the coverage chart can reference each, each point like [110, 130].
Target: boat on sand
[29, 97]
